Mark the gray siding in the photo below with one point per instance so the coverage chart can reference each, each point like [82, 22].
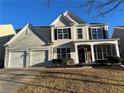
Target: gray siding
[119, 33]
[3, 40]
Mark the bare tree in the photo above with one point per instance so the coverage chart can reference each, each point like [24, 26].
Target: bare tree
[102, 7]
[99, 7]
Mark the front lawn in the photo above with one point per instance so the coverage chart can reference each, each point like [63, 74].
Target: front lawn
[77, 80]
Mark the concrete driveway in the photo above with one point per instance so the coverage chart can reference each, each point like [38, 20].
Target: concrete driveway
[12, 79]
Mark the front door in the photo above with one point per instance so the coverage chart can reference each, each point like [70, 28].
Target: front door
[82, 55]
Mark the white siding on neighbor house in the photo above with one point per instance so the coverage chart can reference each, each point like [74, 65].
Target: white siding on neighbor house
[16, 59]
[39, 58]
[6, 30]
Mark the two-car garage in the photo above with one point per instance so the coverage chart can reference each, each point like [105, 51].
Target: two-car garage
[34, 58]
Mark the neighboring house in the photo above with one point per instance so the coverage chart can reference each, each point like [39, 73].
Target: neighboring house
[6, 32]
[118, 32]
[67, 37]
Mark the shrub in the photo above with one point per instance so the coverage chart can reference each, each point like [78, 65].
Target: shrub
[114, 59]
[56, 62]
[102, 61]
[122, 62]
[67, 61]
[71, 61]
[62, 62]
[1, 63]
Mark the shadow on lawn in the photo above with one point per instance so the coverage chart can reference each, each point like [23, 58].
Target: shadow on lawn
[39, 85]
[56, 75]
[52, 73]
[82, 75]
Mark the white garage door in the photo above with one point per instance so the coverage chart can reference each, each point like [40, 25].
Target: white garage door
[16, 59]
[39, 58]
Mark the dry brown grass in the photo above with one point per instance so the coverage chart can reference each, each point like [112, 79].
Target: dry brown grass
[76, 81]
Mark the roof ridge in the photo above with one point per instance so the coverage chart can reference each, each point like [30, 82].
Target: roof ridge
[73, 16]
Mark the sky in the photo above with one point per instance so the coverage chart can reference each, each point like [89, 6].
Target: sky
[39, 13]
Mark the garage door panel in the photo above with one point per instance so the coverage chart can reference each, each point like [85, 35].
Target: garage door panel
[39, 58]
[16, 59]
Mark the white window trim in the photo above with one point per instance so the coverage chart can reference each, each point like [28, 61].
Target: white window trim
[62, 33]
[102, 53]
[97, 32]
[80, 33]
[66, 52]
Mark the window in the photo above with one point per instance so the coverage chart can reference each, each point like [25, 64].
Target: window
[63, 33]
[59, 33]
[63, 53]
[100, 33]
[101, 52]
[97, 33]
[80, 33]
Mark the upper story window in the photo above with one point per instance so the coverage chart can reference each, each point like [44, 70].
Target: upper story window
[97, 33]
[79, 33]
[62, 33]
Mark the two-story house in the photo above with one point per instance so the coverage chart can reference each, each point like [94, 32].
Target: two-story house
[67, 37]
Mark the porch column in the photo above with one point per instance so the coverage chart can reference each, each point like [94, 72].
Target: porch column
[117, 50]
[92, 51]
[76, 54]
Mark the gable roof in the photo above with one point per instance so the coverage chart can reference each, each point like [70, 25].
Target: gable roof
[6, 30]
[118, 32]
[43, 33]
[68, 18]
[29, 27]
[65, 20]
[119, 27]
[74, 17]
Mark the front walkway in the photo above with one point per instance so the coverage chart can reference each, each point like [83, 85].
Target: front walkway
[12, 79]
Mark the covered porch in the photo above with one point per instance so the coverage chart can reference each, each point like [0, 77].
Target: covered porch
[88, 51]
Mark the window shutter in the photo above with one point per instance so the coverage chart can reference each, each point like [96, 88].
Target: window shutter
[69, 31]
[55, 34]
[104, 33]
[89, 29]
